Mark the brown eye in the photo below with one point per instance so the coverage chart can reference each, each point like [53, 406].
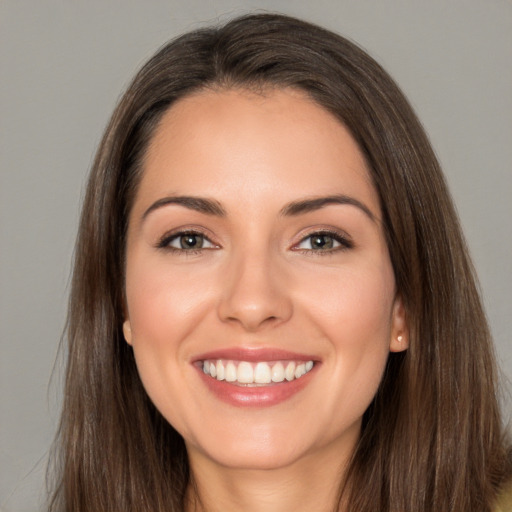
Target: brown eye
[324, 242]
[321, 242]
[186, 241]
[191, 241]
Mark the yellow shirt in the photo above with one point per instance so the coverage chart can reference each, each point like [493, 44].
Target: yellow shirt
[505, 500]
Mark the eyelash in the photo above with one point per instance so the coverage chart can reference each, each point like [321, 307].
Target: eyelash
[344, 243]
[164, 242]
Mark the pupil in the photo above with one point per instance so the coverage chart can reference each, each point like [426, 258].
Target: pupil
[321, 242]
[190, 241]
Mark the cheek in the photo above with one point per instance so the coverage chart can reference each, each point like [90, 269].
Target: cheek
[163, 303]
[354, 307]
[353, 313]
[164, 308]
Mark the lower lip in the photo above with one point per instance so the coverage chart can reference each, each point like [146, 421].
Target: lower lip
[257, 396]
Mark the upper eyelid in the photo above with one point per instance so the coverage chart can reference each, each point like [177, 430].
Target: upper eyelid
[341, 237]
[175, 233]
[336, 233]
[339, 234]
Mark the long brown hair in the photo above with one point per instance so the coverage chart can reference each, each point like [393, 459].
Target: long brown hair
[432, 439]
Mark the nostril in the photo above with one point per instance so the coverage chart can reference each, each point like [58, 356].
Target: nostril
[254, 322]
[252, 296]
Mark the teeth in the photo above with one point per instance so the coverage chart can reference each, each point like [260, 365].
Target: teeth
[243, 372]
[219, 367]
[262, 374]
[299, 371]
[278, 372]
[230, 372]
[289, 373]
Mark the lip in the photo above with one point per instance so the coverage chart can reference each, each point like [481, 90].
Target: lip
[253, 355]
[257, 396]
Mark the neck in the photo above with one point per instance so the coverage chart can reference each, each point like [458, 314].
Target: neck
[311, 483]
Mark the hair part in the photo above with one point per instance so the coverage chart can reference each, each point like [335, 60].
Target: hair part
[432, 438]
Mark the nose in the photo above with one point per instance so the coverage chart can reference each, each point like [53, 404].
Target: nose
[254, 293]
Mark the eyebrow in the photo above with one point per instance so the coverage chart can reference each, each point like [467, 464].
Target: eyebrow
[199, 204]
[316, 203]
[213, 207]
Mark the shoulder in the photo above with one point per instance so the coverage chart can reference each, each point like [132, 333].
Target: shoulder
[504, 503]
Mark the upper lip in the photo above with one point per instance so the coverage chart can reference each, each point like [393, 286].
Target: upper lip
[254, 355]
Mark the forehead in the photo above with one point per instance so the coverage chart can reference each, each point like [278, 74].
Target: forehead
[237, 143]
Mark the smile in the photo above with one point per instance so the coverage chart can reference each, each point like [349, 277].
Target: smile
[245, 373]
[256, 377]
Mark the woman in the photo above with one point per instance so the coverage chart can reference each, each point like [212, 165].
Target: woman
[272, 303]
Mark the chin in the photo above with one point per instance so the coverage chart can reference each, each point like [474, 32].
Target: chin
[262, 447]
[255, 458]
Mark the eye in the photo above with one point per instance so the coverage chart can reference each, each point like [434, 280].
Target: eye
[324, 242]
[186, 241]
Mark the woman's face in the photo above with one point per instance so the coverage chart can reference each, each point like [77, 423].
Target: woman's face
[256, 254]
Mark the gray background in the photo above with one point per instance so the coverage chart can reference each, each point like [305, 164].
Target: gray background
[63, 66]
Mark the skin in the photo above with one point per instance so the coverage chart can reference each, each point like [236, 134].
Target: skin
[259, 282]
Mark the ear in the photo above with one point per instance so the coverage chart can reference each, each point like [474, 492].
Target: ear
[399, 328]
[127, 331]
